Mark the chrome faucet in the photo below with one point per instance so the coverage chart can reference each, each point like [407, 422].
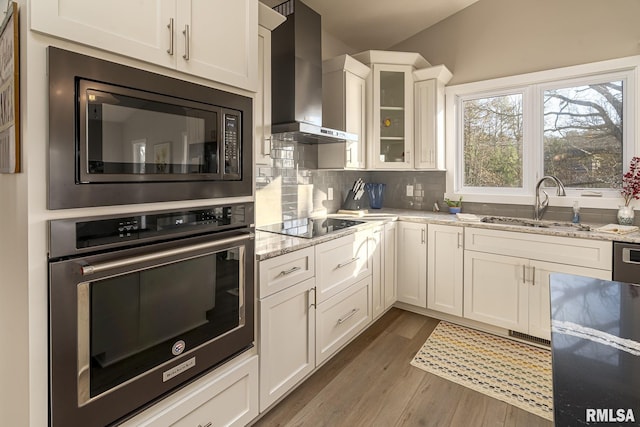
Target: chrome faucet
[541, 207]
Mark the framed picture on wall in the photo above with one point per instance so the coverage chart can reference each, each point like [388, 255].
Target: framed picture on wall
[10, 92]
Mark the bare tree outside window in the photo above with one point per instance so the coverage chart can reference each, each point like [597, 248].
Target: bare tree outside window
[583, 134]
[492, 130]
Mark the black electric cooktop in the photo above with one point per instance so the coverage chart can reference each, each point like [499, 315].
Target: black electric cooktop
[309, 227]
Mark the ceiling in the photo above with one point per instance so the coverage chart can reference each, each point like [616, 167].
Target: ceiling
[378, 24]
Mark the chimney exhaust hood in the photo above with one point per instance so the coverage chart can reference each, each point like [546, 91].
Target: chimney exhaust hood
[296, 78]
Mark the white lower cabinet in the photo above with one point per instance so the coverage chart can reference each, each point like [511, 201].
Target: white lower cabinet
[512, 292]
[341, 318]
[539, 294]
[412, 263]
[445, 258]
[494, 290]
[287, 340]
[225, 397]
[375, 249]
[312, 302]
[389, 260]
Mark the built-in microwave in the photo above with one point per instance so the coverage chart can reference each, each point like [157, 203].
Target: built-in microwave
[121, 135]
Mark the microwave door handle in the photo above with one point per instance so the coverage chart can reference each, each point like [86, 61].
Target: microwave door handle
[110, 265]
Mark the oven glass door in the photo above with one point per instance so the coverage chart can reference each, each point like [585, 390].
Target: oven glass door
[131, 323]
[132, 135]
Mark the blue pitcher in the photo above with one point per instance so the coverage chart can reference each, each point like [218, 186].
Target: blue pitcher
[375, 192]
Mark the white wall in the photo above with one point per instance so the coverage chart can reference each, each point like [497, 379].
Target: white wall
[332, 46]
[496, 38]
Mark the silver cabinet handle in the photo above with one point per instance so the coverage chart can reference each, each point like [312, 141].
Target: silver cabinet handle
[344, 264]
[422, 237]
[524, 279]
[266, 146]
[459, 240]
[170, 27]
[109, 265]
[533, 276]
[289, 271]
[186, 42]
[312, 304]
[408, 157]
[348, 316]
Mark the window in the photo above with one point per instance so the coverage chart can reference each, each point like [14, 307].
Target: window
[582, 136]
[493, 141]
[576, 123]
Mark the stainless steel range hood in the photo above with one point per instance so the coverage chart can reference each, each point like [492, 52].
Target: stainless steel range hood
[296, 78]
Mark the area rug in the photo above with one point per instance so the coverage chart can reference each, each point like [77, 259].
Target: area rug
[515, 373]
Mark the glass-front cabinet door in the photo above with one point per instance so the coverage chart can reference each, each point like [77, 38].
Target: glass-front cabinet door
[393, 117]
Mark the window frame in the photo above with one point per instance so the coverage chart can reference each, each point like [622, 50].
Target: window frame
[526, 152]
[582, 81]
[533, 86]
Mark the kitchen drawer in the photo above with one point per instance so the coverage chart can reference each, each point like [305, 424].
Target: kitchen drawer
[227, 397]
[340, 318]
[285, 270]
[562, 250]
[340, 263]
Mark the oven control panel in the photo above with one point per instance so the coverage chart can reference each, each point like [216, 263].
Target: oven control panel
[72, 235]
[232, 146]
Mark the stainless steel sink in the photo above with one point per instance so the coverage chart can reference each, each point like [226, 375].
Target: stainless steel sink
[523, 222]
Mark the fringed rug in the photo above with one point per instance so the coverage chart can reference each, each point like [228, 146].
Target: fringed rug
[516, 373]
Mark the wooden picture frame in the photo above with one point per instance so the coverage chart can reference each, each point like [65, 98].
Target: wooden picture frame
[10, 91]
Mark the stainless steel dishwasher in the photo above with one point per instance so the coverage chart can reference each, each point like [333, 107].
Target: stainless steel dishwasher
[626, 262]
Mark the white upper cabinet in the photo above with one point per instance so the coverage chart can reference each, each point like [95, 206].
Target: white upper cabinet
[213, 39]
[344, 108]
[268, 19]
[390, 107]
[429, 116]
[405, 111]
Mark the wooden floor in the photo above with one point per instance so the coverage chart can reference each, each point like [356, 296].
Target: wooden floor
[371, 383]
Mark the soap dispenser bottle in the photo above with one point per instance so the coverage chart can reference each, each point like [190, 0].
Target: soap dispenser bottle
[576, 213]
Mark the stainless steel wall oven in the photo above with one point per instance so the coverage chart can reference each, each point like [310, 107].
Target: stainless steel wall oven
[142, 304]
[120, 135]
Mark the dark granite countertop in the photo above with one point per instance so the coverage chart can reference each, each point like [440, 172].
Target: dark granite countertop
[595, 343]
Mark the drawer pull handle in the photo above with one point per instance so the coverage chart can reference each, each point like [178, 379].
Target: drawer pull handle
[289, 271]
[344, 264]
[209, 424]
[348, 316]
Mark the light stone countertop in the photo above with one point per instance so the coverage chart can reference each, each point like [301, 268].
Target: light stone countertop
[269, 245]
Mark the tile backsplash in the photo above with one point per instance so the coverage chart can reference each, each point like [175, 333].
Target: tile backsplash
[291, 186]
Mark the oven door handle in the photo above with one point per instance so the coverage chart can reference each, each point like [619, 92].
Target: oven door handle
[104, 266]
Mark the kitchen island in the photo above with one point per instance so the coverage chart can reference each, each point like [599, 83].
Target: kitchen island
[595, 351]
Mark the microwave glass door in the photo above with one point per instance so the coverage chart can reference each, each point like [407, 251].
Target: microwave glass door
[134, 322]
[130, 135]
